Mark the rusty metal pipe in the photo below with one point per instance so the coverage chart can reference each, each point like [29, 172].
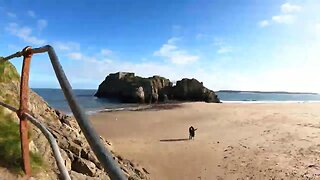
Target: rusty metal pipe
[33, 51]
[53, 143]
[24, 99]
[54, 146]
[8, 107]
[17, 54]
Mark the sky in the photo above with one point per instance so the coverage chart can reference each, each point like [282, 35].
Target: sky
[271, 45]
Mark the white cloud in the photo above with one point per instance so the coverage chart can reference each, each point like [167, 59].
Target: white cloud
[298, 77]
[284, 19]
[75, 56]
[41, 23]
[31, 14]
[244, 75]
[264, 23]
[173, 40]
[105, 51]
[224, 50]
[107, 61]
[96, 71]
[12, 15]
[24, 33]
[290, 8]
[290, 74]
[171, 52]
[95, 59]
[223, 47]
[88, 59]
[317, 27]
[67, 46]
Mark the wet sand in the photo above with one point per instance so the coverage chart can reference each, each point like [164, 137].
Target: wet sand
[245, 141]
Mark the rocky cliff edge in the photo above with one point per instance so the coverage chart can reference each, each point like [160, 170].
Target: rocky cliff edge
[79, 158]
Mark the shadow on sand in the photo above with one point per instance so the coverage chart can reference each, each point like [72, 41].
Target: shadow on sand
[174, 140]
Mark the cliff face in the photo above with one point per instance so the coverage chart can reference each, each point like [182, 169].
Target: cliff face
[79, 159]
[129, 88]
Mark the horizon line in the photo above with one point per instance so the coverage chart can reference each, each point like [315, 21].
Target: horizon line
[221, 90]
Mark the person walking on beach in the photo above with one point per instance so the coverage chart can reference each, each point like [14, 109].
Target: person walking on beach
[192, 132]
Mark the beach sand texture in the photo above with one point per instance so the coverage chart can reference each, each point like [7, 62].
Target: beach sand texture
[245, 141]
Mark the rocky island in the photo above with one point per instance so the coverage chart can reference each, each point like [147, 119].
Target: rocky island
[128, 88]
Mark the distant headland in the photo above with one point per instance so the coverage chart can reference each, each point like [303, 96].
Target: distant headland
[266, 92]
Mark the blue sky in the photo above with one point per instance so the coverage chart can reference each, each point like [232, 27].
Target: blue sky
[227, 44]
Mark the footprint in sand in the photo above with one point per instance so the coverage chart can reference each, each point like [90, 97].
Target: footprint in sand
[229, 148]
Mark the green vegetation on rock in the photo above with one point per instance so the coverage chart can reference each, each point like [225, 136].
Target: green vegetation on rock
[10, 150]
[8, 72]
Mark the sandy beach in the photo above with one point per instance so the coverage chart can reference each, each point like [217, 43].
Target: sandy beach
[233, 141]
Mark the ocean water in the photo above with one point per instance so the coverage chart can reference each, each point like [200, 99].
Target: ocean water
[92, 104]
[255, 97]
[85, 97]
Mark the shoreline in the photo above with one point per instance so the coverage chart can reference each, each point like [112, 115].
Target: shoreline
[145, 107]
[258, 141]
[269, 102]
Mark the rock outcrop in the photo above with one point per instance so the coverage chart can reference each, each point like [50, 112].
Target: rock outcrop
[193, 90]
[79, 158]
[128, 88]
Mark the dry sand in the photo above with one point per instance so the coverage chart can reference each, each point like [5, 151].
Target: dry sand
[233, 141]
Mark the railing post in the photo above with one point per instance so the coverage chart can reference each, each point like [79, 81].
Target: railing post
[104, 156]
[24, 99]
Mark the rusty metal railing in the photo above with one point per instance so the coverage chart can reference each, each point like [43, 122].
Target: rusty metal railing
[53, 143]
[103, 155]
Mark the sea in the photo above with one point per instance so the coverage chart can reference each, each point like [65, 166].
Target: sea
[92, 104]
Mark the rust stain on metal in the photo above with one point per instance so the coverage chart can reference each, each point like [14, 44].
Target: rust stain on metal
[24, 99]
